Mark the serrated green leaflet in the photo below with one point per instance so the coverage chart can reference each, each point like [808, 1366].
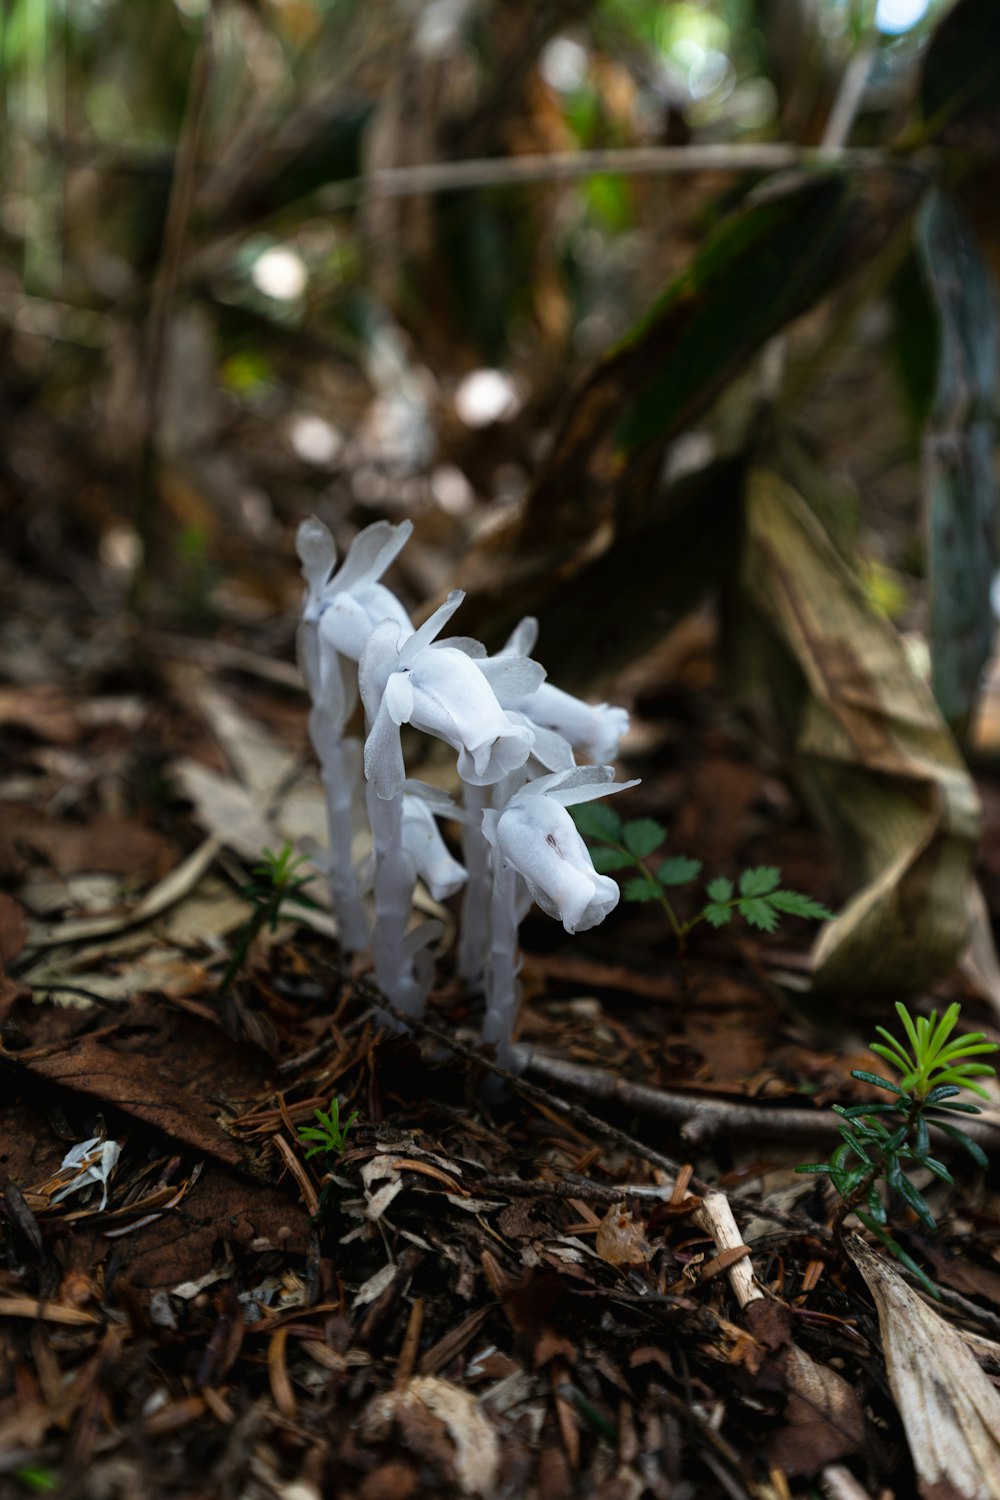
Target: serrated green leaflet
[642, 836]
[759, 881]
[678, 870]
[596, 820]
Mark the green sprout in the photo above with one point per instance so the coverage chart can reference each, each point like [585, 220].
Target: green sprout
[759, 900]
[330, 1135]
[881, 1142]
[276, 884]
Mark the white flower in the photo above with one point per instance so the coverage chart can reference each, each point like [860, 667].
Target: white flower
[536, 835]
[422, 841]
[443, 691]
[592, 729]
[350, 602]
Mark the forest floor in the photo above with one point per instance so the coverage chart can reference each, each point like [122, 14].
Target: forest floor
[492, 1291]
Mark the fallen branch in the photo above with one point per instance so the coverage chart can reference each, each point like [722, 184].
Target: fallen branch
[701, 1119]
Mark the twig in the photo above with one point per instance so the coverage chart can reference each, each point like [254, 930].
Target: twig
[702, 1119]
[566, 166]
[582, 1117]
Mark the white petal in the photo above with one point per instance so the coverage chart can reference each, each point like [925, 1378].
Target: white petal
[575, 776]
[318, 555]
[437, 800]
[384, 756]
[379, 658]
[593, 729]
[570, 796]
[522, 639]
[541, 841]
[440, 872]
[512, 677]
[432, 626]
[464, 643]
[453, 701]
[371, 552]
[398, 698]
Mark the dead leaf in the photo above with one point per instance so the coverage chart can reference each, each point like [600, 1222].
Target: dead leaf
[620, 1240]
[950, 1408]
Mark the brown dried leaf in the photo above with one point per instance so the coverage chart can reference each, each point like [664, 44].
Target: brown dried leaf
[949, 1407]
[620, 1240]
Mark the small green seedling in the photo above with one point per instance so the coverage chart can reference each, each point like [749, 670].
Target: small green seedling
[276, 884]
[759, 900]
[881, 1142]
[330, 1135]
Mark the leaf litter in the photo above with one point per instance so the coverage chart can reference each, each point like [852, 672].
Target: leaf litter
[466, 1300]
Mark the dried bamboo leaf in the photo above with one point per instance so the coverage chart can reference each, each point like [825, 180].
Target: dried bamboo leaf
[879, 760]
[949, 1407]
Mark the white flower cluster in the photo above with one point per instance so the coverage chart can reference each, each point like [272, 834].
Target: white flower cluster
[516, 738]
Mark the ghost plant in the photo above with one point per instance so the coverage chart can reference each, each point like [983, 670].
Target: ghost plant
[516, 738]
[340, 611]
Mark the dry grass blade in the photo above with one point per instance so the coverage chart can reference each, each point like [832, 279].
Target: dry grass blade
[949, 1407]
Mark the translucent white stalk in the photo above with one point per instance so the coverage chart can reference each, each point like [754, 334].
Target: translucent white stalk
[474, 935]
[340, 769]
[538, 855]
[395, 878]
[508, 905]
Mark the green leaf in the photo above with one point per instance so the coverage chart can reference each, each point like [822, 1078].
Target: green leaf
[875, 1205]
[605, 860]
[922, 1140]
[882, 1083]
[642, 836]
[720, 889]
[716, 915]
[641, 888]
[938, 1168]
[758, 913]
[909, 1027]
[794, 904]
[960, 83]
[942, 1091]
[759, 881]
[597, 820]
[679, 870]
[967, 1144]
[917, 1202]
[786, 245]
[814, 1168]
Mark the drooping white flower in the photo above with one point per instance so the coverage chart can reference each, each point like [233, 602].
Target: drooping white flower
[536, 835]
[340, 611]
[372, 551]
[443, 691]
[592, 729]
[432, 860]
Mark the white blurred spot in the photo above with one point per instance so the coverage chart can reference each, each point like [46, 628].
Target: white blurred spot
[121, 549]
[487, 396]
[895, 16]
[439, 26]
[280, 273]
[452, 491]
[563, 64]
[314, 440]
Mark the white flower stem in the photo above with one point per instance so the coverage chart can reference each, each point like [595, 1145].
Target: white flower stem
[394, 882]
[475, 932]
[340, 770]
[503, 990]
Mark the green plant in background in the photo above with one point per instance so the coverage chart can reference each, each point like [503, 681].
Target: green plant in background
[880, 1143]
[329, 1134]
[276, 884]
[616, 845]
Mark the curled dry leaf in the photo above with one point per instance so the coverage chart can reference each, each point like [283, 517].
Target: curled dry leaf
[476, 1446]
[949, 1407]
[620, 1240]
